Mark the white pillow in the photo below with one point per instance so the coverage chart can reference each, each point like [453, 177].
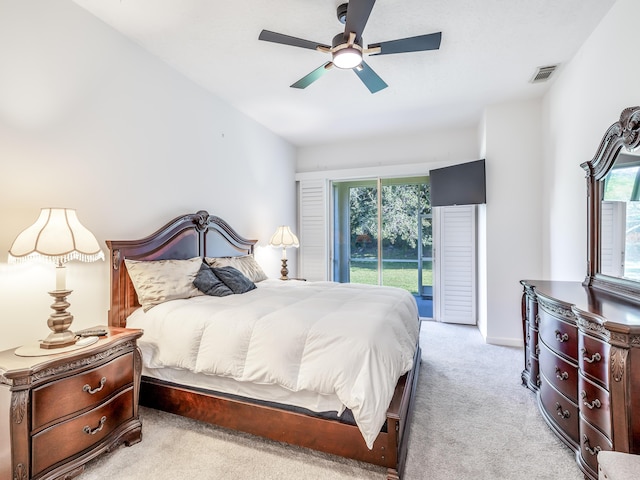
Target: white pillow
[245, 263]
[159, 281]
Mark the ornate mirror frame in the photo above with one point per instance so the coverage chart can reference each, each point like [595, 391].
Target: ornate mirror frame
[623, 133]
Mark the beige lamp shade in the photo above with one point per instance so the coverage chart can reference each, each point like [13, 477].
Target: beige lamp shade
[56, 236]
[284, 238]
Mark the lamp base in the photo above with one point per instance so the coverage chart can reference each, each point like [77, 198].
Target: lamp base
[284, 271]
[59, 322]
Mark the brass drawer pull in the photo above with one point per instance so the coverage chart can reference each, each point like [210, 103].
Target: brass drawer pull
[560, 375]
[587, 446]
[87, 388]
[562, 337]
[596, 357]
[595, 404]
[562, 413]
[87, 428]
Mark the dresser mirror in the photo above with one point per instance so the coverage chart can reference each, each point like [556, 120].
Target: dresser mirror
[620, 218]
[613, 209]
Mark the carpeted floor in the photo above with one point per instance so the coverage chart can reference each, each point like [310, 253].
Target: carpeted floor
[473, 420]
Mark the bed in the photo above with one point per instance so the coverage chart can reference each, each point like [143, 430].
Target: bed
[290, 410]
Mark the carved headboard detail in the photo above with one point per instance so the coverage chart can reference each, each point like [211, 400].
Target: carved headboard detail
[187, 236]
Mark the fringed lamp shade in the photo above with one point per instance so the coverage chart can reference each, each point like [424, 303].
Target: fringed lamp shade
[57, 236]
[284, 238]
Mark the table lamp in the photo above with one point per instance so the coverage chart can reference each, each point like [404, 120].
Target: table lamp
[58, 237]
[286, 239]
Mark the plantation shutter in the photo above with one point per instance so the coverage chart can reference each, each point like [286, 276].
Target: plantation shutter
[455, 264]
[613, 223]
[312, 221]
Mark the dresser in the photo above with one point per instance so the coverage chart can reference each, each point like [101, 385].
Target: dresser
[582, 358]
[61, 410]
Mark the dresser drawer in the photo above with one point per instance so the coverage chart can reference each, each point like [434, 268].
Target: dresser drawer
[594, 404]
[534, 372]
[592, 441]
[558, 335]
[560, 373]
[65, 439]
[562, 412]
[64, 397]
[532, 311]
[533, 341]
[593, 359]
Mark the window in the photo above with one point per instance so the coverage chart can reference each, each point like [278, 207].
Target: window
[622, 193]
[384, 239]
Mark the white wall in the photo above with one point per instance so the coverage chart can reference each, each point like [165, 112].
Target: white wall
[513, 154]
[432, 148]
[587, 97]
[90, 121]
[536, 194]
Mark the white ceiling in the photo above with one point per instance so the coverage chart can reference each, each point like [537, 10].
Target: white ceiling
[490, 50]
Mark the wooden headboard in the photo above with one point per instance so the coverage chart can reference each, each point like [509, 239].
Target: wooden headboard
[187, 236]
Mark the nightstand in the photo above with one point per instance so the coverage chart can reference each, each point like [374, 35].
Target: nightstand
[59, 411]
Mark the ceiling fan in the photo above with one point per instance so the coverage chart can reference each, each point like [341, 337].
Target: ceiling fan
[347, 47]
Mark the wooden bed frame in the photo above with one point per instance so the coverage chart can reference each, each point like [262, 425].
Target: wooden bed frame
[201, 234]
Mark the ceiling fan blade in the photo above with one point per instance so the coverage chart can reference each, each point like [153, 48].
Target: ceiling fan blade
[358, 12]
[274, 37]
[420, 43]
[308, 79]
[370, 78]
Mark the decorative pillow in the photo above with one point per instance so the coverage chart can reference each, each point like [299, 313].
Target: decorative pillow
[234, 279]
[245, 263]
[207, 282]
[159, 281]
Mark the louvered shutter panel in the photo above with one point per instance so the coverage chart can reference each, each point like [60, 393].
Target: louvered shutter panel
[312, 202]
[455, 264]
[612, 238]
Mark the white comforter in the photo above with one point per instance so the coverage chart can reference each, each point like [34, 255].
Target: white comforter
[350, 340]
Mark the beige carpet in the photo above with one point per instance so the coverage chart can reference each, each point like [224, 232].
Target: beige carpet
[473, 420]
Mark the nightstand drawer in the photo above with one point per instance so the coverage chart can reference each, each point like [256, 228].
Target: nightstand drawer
[65, 439]
[64, 397]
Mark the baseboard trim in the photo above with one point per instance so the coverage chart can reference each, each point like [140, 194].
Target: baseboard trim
[505, 342]
[500, 341]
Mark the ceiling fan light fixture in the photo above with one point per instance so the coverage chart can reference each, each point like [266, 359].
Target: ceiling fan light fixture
[347, 58]
[347, 50]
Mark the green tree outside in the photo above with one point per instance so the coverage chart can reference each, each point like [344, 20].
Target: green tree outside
[403, 203]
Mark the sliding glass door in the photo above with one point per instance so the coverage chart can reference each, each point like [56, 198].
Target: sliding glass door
[382, 233]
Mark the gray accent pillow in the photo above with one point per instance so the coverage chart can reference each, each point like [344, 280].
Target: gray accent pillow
[234, 279]
[208, 283]
[245, 263]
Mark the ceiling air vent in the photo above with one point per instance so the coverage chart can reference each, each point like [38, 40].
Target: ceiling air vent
[543, 73]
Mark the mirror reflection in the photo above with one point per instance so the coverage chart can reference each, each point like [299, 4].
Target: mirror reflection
[620, 218]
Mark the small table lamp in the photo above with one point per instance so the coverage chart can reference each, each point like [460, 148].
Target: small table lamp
[57, 236]
[284, 238]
